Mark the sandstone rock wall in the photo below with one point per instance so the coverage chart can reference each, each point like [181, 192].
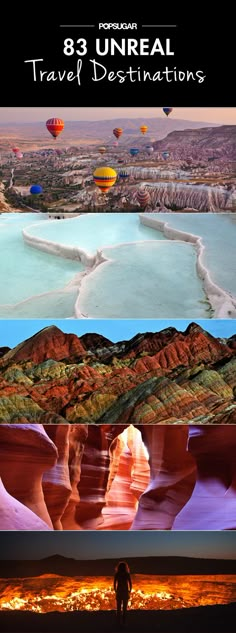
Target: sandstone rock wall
[117, 477]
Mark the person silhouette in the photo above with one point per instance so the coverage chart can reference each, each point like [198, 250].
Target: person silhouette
[122, 587]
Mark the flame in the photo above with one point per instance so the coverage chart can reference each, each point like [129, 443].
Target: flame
[58, 593]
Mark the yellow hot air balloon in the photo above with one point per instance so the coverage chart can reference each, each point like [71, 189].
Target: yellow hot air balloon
[143, 129]
[104, 178]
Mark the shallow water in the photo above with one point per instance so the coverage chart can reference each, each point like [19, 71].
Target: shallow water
[26, 271]
[58, 305]
[151, 277]
[96, 230]
[143, 280]
[218, 232]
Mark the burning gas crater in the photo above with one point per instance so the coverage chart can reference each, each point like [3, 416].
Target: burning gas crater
[56, 593]
[90, 600]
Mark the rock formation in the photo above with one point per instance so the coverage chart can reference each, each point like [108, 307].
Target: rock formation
[212, 505]
[172, 477]
[168, 477]
[200, 144]
[77, 439]
[47, 343]
[56, 481]
[141, 467]
[95, 466]
[16, 516]
[177, 195]
[26, 452]
[120, 501]
[128, 478]
[155, 378]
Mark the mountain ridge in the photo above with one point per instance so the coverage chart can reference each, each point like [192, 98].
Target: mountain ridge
[158, 565]
[202, 143]
[155, 377]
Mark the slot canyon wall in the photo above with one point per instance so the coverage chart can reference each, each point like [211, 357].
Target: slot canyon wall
[78, 477]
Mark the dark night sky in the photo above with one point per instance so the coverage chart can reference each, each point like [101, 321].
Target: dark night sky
[92, 545]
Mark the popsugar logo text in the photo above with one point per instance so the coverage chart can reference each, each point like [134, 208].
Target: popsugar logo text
[118, 26]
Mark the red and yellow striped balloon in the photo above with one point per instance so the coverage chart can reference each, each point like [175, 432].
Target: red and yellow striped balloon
[143, 197]
[55, 126]
[104, 178]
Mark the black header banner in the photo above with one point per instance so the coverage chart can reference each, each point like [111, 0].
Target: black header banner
[119, 60]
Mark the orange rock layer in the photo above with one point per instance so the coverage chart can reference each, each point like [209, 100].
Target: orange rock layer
[155, 378]
[168, 477]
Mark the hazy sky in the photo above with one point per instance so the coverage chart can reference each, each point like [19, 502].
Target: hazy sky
[92, 545]
[211, 115]
[13, 332]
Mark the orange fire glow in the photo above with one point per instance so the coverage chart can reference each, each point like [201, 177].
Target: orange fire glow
[57, 593]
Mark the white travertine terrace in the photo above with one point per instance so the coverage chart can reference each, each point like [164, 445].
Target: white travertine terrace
[223, 304]
[221, 301]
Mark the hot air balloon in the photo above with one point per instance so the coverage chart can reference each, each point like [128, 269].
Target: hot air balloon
[18, 155]
[102, 150]
[104, 178]
[133, 151]
[117, 132]
[149, 149]
[143, 197]
[36, 189]
[143, 129]
[165, 155]
[55, 126]
[167, 111]
[123, 175]
[15, 150]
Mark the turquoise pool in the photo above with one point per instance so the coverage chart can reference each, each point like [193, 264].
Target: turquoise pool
[218, 233]
[147, 275]
[27, 272]
[136, 283]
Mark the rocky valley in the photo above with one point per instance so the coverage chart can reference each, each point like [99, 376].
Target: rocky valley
[168, 377]
[188, 166]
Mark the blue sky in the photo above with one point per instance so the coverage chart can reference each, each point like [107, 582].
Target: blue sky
[92, 545]
[13, 332]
